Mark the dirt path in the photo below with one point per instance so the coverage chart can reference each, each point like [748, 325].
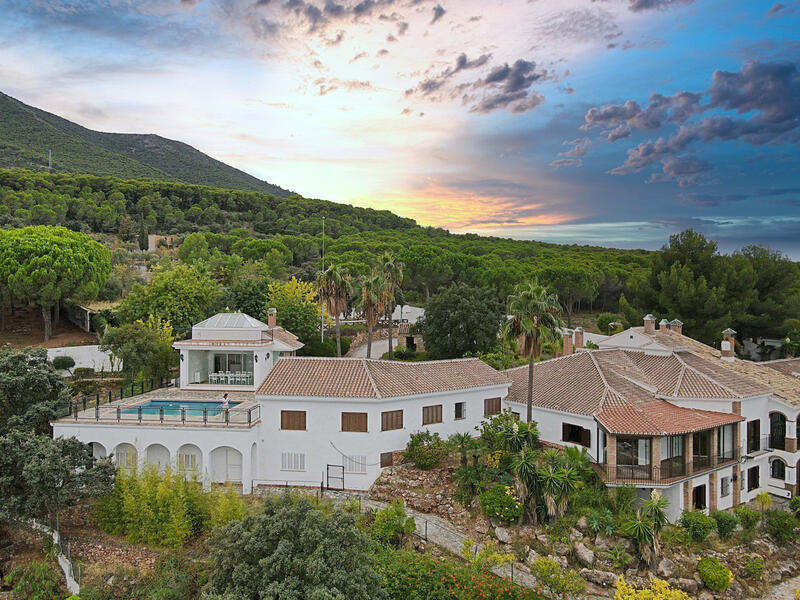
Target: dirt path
[785, 591]
[25, 328]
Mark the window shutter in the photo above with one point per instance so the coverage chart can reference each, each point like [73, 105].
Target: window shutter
[491, 406]
[352, 421]
[564, 432]
[293, 420]
[586, 438]
[387, 459]
[391, 419]
[432, 414]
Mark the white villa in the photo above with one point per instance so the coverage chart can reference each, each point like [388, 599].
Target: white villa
[654, 409]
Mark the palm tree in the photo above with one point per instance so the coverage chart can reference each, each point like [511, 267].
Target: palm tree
[535, 319]
[393, 272]
[335, 289]
[371, 301]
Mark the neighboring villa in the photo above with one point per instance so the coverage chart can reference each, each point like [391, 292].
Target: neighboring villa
[654, 409]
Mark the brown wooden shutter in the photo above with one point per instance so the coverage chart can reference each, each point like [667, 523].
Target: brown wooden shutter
[391, 419]
[352, 421]
[586, 438]
[565, 432]
[293, 420]
[387, 459]
[432, 414]
[491, 406]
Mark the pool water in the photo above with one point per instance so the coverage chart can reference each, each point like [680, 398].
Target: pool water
[153, 407]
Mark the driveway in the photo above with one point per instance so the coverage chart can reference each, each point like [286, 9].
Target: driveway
[379, 348]
[84, 356]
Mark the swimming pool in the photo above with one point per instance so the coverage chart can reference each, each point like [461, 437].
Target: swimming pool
[153, 407]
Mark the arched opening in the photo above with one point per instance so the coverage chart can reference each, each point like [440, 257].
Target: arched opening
[126, 457]
[777, 469]
[190, 460]
[98, 450]
[226, 465]
[777, 431]
[158, 456]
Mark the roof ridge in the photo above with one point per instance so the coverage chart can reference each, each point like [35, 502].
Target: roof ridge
[606, 384]
[712, 380]
[365, 362]
[552, 360]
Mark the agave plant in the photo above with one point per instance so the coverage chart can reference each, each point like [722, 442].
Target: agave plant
[640, 529]
[655, 509]
[516, 435]
[570, 482]
[552, 483]
[526, 481]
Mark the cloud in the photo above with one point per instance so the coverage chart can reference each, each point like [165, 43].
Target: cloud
[431, 84]
[510, 85]
[764, 99]
[566, 162]
[643, 5]
[438, 13]
[710, 200]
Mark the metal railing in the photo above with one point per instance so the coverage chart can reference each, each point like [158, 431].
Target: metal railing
[762, 444]
[127, 413]
[668, 470]
[130, 390]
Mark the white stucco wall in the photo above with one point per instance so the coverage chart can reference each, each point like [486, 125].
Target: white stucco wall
[549, 422]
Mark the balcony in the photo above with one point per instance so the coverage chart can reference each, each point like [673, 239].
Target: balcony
[668, 471]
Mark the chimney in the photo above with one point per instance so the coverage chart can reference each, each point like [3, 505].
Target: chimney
[649, 323]
[676, 326]
[567, 337]
[272, 318]
[578, 337]
[728, 345]
[663, 325]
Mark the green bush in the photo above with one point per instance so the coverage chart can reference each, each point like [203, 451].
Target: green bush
[781, 525]
[391, 524]
[426, 449]
[714, 575]
[83, 373]
[726, 523]
[674, 536]
[63, 362]
[500, 502]
[35, 580]
[560, 582]
[754, 567]
[410, 576]
[794, 506]
[602, 521]
[748, 517]
[697, 525]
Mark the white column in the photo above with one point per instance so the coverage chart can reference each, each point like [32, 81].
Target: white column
[206, 454]
[247, 474]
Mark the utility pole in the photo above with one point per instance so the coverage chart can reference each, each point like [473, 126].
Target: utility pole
[322, 303]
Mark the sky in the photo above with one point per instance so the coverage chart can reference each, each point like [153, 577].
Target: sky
[608, 122]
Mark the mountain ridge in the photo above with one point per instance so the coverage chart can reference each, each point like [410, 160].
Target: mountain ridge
[28, 133]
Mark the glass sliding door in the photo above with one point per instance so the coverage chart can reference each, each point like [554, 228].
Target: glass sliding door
[673, 462]
[633, 458]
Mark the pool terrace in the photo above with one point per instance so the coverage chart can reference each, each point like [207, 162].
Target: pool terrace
[173, 407]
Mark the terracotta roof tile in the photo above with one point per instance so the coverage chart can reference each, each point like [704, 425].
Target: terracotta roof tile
[661, 418]
[787, 366]
[365, 378]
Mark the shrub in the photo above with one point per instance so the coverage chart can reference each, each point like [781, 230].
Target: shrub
[426, 449]
[486, 559]
[754, 567]
[714, 575]
[748, 518]
[797, 594]
[602, 521]
[391, 524]
[469, 480]
[794, 506]
[35, 580]
[63, 362]
[560, 582]
[623, 500]
[781, 525]
[658, 590]
[726, 523]
[697, 525]
[618, 556]
[410, 576]
[501, 503]
[83, 373]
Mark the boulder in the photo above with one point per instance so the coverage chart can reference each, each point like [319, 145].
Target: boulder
[601, 578]
[533, 556]
[582, 525]
[602, 543]
[736, 591]
[773, 576]
[575, 535]
[503, 535]
[561, 548]
[665, 568]
[705, 595]
[482, 527]
[583, 554]
[687, 585]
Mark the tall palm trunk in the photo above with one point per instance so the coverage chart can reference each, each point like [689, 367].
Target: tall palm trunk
[390, 332]
[530, 390]
[369, 340]
[338, 337]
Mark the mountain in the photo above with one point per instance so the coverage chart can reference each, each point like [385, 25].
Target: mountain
[28, 133]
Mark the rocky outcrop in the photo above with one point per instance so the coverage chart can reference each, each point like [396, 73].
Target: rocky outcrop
[583, 554]
[503, 535]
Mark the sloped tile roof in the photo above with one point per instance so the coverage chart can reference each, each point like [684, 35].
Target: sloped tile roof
[787, 366]
[366, 378]
[660, 418]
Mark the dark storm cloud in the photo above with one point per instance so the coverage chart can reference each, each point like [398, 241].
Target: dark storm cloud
[765, 100]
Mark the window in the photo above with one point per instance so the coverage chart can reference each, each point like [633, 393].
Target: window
[352, 421]
[431, 414]
[293, 461]
[387, 459]
[391, 419]
[633, 458]
[777, 469]
[293, 420]
[725, 487]
[355, 464]
[187, 462]
[576, 434]
[461, 410]
[752, 478]
[491, 406]
[725, 443]
[753, 436]
[699, 497]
